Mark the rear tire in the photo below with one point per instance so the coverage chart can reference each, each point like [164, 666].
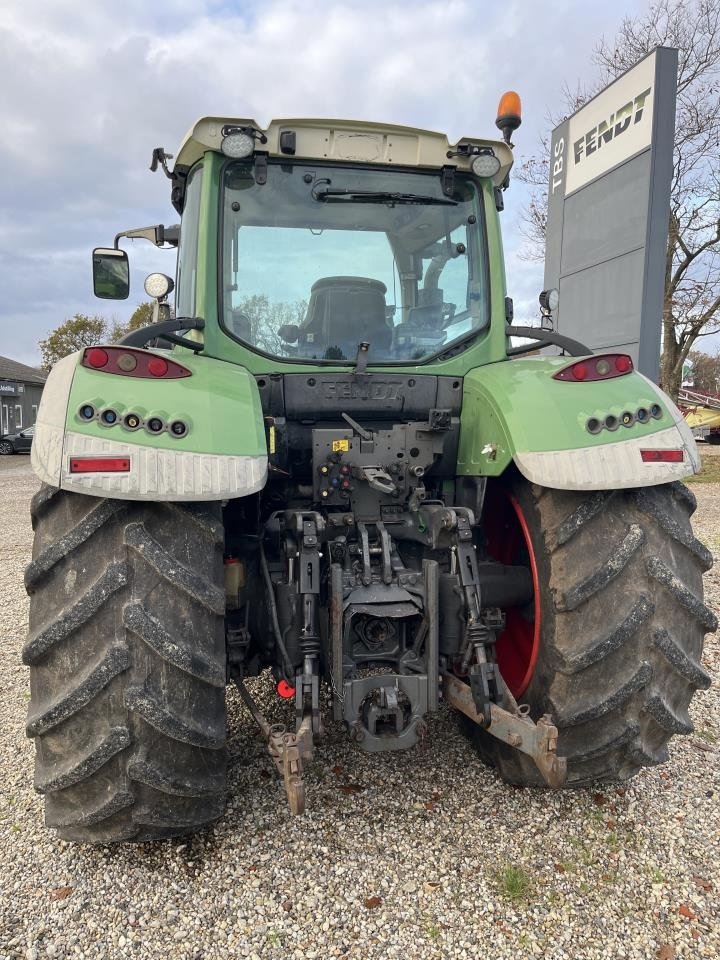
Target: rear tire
[6, 448]
[622, 628]
[126, 651]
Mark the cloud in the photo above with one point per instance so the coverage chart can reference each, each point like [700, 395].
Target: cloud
[90, 89]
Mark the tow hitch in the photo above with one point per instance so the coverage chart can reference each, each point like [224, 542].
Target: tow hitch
[289, 751]
[537, 740]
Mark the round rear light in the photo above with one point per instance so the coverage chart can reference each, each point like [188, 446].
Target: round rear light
[96, 357]
[602, 367]
[580, 371]
[623, 364]
[87, 411]
[155, 425]
[157, 366]
[284, 690]
[127, 362]
[178, 428]
[108, 417]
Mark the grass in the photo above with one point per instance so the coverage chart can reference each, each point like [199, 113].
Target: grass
[656, 875]
[515, 883]
[710, 468]
[432, 930]
[613, 841]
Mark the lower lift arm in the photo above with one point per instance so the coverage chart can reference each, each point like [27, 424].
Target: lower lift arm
[537, 740]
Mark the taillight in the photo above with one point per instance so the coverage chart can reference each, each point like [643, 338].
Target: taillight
[604, 367]
[158, 367]
[95, 357]
[128, 362]
[662, 456]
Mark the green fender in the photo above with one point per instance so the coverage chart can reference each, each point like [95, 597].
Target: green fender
[222, 455]
[515, 411]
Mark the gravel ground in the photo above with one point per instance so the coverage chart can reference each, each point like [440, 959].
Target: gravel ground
[425, 854]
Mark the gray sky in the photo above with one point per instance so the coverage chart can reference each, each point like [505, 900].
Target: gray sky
[90, 88]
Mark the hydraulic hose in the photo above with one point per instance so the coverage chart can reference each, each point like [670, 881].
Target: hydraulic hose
[289, 669]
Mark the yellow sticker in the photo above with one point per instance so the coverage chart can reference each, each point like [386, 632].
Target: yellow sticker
[340, 446]
[271, 440]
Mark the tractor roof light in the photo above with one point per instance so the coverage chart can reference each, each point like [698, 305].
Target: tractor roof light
[485, 164]
[238, 142]
[603, 367]
[238, 145]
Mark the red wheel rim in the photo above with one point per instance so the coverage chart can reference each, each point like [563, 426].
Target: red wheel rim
[508, 541]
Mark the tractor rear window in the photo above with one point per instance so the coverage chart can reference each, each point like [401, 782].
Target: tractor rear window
[320, 258]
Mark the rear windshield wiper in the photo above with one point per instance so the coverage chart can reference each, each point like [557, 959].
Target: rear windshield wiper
[379, 196]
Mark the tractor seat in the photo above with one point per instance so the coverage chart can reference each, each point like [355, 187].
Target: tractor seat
[345, 310]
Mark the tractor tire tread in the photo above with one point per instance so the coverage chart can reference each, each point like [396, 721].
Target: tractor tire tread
[622, 631]
[127, 662]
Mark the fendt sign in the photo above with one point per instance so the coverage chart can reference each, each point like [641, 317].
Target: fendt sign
[608, 211]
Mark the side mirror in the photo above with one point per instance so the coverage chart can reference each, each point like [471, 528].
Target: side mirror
[289, 332]
[111, 273]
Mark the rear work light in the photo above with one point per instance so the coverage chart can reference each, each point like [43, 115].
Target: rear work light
[128, 362]
[604, 367]
[99, 464]
[662, 456]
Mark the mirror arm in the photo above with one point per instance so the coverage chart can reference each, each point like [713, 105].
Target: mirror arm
[158, 235]
[139, 337]
[573, 347]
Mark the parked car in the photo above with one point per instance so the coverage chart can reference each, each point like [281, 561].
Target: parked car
[17, 442]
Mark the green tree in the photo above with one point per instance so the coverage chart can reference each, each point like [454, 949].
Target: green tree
[691, 307]
[73, 334]
[141, 317]
[705, 372]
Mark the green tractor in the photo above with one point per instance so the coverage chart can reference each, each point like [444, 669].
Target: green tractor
[331, 461]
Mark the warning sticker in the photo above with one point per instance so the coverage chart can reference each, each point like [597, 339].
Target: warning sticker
[340, 446]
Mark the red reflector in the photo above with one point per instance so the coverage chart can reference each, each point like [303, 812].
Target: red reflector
[579, 371]
[662, 456]
[157, 366]
[99, 464]
[284, 690]
[96, 357]
[623, 363]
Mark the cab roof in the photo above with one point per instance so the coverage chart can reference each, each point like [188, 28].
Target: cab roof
[350, 140]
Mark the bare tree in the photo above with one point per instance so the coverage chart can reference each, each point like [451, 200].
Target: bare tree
[692, 270]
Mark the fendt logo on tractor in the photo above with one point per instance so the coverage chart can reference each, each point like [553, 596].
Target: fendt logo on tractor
[374, 390]
[331, 461]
